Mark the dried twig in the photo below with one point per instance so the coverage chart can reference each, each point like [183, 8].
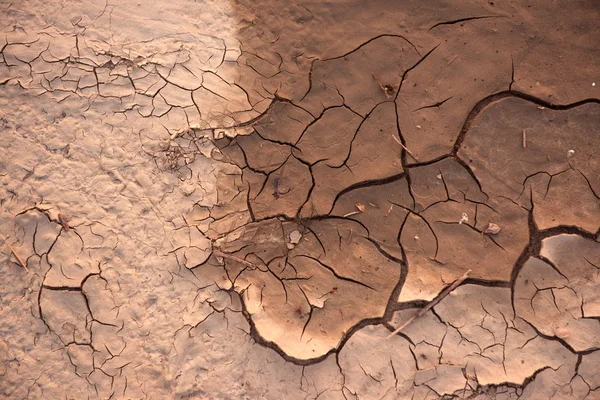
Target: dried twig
[360, 208]
[21, 263]
[432, 303]
[389, 210]
[219, 253]
[404, 147]
[7, 347]
[524, 139]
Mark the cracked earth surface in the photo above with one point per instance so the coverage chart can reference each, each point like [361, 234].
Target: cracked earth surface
[242, 200]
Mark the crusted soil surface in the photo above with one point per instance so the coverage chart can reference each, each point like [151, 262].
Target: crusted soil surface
[243, 199]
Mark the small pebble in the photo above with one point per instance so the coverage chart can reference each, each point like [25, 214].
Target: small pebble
[295, 237]
[492, 229]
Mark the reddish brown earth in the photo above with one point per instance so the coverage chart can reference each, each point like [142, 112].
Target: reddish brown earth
[242, 200]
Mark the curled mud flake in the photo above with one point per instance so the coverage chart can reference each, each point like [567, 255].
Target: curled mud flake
[463, 219]
[492, 229]
[562, 333]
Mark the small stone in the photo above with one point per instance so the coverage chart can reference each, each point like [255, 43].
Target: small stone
[570, 153]
[439, 176]
[295, 237]
[418, 126]
[492, 229]
[463, 218]
[290, 246]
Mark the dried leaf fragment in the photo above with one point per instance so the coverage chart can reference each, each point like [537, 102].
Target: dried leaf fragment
[12, 250]
[360, 206]
[64, 221]
[562, 333]
[492, 229]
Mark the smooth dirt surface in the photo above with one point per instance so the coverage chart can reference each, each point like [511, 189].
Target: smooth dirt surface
[241, 200]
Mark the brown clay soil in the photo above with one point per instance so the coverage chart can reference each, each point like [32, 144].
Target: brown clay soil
[243, 199]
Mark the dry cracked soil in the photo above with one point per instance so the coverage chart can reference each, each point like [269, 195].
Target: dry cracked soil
[243, 199]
